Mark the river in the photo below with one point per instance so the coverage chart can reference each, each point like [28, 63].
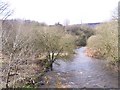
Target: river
[82, 71]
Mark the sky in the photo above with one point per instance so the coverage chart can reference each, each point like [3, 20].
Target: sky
[74, 11]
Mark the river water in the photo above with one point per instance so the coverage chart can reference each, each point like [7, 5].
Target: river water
[82, 71]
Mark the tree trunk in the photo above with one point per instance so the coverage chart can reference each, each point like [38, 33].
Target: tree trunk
[7, 86]
[51, 66]
[9, 71]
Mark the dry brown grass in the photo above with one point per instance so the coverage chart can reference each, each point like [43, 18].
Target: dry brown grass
[23, 75]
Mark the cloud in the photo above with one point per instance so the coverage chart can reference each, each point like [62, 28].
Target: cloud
[51, 11]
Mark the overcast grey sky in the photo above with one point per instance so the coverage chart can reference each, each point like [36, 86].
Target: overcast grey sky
[51, 11]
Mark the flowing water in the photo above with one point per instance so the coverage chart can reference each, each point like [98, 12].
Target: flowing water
[81, 72]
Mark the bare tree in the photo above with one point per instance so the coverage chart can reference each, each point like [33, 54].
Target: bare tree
[4, 14]
[66, 22]
[115, 14]
[54, 42]
[4, 11]
[106, 38]
[17, 50]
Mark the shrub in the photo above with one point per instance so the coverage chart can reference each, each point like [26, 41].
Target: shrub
[105, 41]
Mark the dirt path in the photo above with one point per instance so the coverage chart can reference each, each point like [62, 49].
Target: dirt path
[81, 72]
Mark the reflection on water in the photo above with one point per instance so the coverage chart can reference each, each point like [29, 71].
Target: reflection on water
[80, 61]
[84, 71]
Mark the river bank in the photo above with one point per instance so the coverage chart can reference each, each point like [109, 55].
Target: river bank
[82, 71]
